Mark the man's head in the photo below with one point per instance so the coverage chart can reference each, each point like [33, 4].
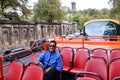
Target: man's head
[52, 46]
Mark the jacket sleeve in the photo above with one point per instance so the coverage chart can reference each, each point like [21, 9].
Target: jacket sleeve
[59, 65]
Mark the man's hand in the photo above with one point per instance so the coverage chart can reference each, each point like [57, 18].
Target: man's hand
[36, 61]
[47, 70]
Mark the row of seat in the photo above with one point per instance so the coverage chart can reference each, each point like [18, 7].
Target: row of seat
[75, 61]
[71, 60]
[81, 61]
[97, 69]
[18, 71]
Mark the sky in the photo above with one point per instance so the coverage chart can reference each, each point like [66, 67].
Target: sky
[83, 4]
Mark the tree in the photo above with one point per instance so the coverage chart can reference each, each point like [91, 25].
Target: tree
[10, 9]
[48, 10]
[115, 10]
[82, 16]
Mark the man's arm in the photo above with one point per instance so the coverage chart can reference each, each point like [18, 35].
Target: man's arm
[39, 59]
[59, 65]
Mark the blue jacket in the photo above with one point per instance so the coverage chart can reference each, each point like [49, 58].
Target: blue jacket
[51, 60]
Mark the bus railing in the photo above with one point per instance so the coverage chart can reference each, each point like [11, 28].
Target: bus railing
[79, 42]
[32, 47]
[91, 42]
[90, 38]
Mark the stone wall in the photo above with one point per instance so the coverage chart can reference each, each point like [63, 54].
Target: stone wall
[20, 33]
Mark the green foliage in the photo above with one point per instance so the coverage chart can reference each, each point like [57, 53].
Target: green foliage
[48, 10]
[115, 10]
[88, 14]
[10, 9]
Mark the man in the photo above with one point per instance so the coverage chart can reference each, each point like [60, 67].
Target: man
[51, 62]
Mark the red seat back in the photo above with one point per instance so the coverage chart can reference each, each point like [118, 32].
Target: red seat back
[81, 56]
[80, 59]
[14, 71]
[57, 50]
[114, 70]
[46, 46]
[114, 53]
[36, 55]
[67, 57]
[100, 52]
[96, 66]
[33, 73]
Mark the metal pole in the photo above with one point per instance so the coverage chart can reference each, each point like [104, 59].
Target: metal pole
[83, 42]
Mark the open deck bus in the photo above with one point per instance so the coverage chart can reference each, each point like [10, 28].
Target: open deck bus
[83, 59]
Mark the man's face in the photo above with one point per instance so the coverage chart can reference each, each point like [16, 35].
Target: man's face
[52, 47]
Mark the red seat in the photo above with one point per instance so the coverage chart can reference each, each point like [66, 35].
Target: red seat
[46, 46]
[96, 66]
[36, 55]
[80, 76]
[114, 53]
[67, 57]
[98, 58]
[100, 52]
[14, 71]
[114, 70]
[58, 49]
[33, 73]
[80, 58]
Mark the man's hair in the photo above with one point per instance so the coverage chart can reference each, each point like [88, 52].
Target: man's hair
[53, 41]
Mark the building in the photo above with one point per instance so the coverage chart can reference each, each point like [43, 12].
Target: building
[73, 6]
